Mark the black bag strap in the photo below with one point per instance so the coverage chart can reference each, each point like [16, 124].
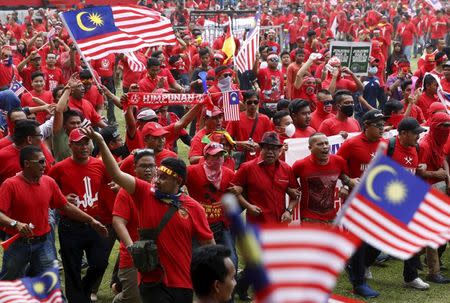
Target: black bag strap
[254, 126]
[391, 146]
[153, 233]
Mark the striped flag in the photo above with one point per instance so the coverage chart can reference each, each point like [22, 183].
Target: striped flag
[341, 299]
[395, 211]
[231, 106]
[246, 56]
[102, 30]
[17, 88]
[134, 63]
[42, 289]
[304, 262]
[443, 96]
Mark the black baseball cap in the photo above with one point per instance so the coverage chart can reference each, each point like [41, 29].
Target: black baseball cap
[410, 124]
[109, 134]
[372, 116]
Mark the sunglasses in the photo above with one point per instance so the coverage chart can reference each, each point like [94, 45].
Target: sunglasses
[226, 75]
[328, 103]
[252, 102]
[40, 161]
[274, 60]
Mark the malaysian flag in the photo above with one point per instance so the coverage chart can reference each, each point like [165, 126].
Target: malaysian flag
[134, 63]
[246, 56]
[45, 288]
[102, 30]
[395, 211]
[231, 106]
[341, 299]
[17, 88]
[443, 96]
[292, 263]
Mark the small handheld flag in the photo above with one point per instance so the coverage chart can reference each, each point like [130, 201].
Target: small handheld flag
[231, 106]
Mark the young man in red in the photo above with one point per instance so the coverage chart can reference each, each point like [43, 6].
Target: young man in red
[407, 33]
[324, 108]
[125, 223]
[38, 84]
[81, 179]
[343, 122]
[429, 94]
[152, 79]
[293, 68]
[271, 81]
[25, 70]
[91, 92]
[336, 80]
[25, 199]
[105, 68]
[174, 243]
[53, 74]
[7, 70]
[207, 182]
[318, 175]
[301, 117]
[13, 115]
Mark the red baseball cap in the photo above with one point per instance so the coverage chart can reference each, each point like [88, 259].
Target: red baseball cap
[213, 148]
[76, 135]
[215, 112]
[154, 129]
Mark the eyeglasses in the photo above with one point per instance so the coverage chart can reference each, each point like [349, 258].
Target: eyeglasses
[252, 102]
[40, 161]
[147, 166]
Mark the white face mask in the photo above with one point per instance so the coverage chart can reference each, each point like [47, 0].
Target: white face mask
[225, 84]
[289, 130]
[372, 70]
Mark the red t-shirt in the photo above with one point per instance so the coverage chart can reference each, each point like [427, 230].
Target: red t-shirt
[148, 85]
[265, 186]
[53, 78]
[29, 202]
[415, 112]
[26, 76]
[318, 183]
[317, 117]
[127, 164]
[332, 126]
[424, 103]
[197, 145]
[94, 96]
[341, 83]
[406, 156]
[104, 66]
[406, 33]
[10, 163]
[438, 31]
[358, 151]
[291, 74]
[7, 74]
[86, 108]
[175, 240]
[303, 133]
[84, 180]
[124, 207]
[203, 191]
[27, 100]
[271, 81]
[129, 76]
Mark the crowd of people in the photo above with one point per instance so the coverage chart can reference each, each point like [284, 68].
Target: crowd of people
[69, 165]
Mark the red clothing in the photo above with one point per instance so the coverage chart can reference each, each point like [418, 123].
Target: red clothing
[424, 103]
[333, 126]
[124, 207]
[265, 186]
[27, 100]
[127, 164]
[197, 145]
[318, 185]
[53, 78]
[406, 156]
[271, 83]
[9, 157]
[84, 180]
[104, 66]
[292, 70]
[415, 112]
[26, 76]
[94, 96]
[86, 108]
[175, 240]
[29, 202]
[406, 31]
[341, 83]
[358, 151]
[5, 141]
[303, 133]
[318, 116]
[203, 191]
[438, 30]
[7, 74]
[129, 76]
[148, 85]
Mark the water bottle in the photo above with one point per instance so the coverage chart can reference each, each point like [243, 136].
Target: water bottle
[253, 152]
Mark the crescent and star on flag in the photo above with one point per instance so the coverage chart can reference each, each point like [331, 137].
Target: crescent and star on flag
[94, 18]
[395, 191]
[40, 288]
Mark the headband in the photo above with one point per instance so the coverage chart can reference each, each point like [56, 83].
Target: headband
[168, 171]
[226, 70]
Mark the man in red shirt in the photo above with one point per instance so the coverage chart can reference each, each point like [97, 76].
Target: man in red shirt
[125, 223]
[53, 74]
[174, 243]
[358, 151]
[91, 92]
[24, 201]
[38, 91]
[445, 81]
[26, 132]
[81, 179]
[429, 94]
[154, 137]
[207, 182]
[7, 70]
[153, 79]
[407, 33]
[409, 100]
[292, 71]
[265, 182]
[105, 68]
[343, 122]
[318, 175]
[439, 27]
[335, 79]
[323, 110]
[13, 115]
[301, 117]
[130, 76]
[271, 81]
[25, 72]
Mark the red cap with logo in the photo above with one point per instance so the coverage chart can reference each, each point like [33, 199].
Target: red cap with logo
[154, 129]
[76, 135]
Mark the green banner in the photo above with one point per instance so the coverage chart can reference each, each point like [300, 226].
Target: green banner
[354, 55]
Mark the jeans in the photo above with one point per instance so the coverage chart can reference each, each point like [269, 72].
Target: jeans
[130, 289]
[109, 83]
[364, 256]
[157, 292]
[111, 239]
[407, 51]
[410, 267]
[225, 238]
[75, 239]
[23, 258]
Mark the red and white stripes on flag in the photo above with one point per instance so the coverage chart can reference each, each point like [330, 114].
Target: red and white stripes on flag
[138, 27]
[134, 63]
[230, 106]
[443, 96]
[304, 262]
[15, 291]
[429, 226]
[246, 57]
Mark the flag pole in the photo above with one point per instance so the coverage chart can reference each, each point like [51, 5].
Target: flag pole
[79, 50]
[381, 149]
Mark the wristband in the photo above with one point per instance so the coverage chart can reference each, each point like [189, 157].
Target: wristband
[289, 210]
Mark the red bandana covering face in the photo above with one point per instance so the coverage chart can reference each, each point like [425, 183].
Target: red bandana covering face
[436, 139]
[213, 170]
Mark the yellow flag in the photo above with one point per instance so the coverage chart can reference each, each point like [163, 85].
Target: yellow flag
[229, 46]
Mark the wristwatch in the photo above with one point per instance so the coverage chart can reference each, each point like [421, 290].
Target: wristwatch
[13, 224]
[288, 210]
